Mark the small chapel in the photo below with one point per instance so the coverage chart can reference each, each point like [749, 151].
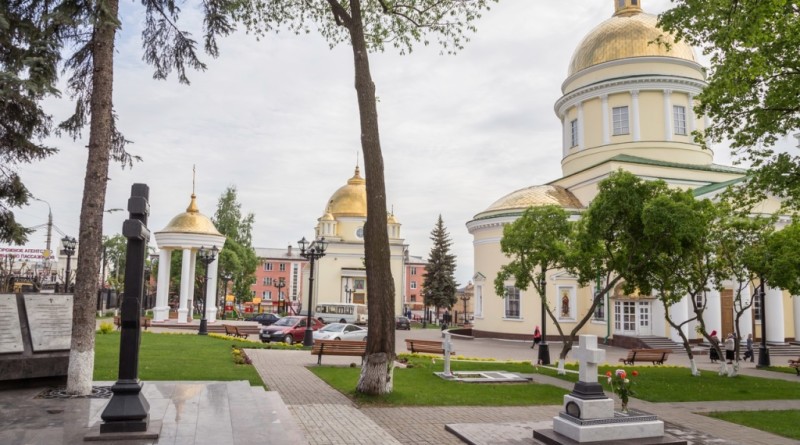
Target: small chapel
[627, 103]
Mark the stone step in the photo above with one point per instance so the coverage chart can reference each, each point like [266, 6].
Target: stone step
[275, 422]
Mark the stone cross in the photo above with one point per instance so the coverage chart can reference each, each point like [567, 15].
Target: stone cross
[447, 349]
[588, 356]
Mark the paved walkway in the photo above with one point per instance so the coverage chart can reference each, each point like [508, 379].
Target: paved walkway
[328, 418]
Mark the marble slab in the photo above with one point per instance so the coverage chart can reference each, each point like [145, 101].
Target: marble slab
[10, 330]
[608, 431]
[50, 321]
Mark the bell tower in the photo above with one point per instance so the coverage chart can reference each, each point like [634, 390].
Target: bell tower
[627, 7]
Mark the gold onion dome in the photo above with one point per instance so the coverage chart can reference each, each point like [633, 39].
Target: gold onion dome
[191, 221]
[390, 219]
[536, 196]
[629, 33]
[350, 199]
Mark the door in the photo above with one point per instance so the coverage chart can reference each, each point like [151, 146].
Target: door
[726, 307]
[643, 318]
[625, 317]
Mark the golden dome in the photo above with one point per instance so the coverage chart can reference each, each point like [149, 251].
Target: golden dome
[351, 199]
[191, 221]
[536, 196]
[390, 219]
[629, 33]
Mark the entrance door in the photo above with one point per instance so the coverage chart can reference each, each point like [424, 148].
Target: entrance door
[625, 317]
[726, 307]
[644, 327]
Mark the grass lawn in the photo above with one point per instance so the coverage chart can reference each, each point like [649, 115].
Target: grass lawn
[675, 384]
[784, 369]
[782, 423]
[417, 386]
[175, 357]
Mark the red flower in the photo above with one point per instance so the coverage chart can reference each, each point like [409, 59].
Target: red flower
[635, 373]
[608, 373]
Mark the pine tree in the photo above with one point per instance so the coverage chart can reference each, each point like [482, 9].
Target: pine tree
[440, 283]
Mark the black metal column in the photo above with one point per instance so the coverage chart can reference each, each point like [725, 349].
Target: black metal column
[544, 348]
[763, 351]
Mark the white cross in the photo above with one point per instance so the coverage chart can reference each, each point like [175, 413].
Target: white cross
[588, 357]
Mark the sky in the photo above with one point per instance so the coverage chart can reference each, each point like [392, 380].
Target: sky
[277, 118]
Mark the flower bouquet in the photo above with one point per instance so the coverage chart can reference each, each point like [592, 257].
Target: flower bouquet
[622, 386]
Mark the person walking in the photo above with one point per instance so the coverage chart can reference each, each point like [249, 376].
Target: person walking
[712, 353]
[730, 347]
[749, 352]
[537, 337]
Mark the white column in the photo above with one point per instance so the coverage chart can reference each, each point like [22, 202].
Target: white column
[774, 313]
[161, 310]
[713, 312]
[637, 135]
[604, 106]
[668, 115]
[690, 115]
[211, 291]
[581, 145]
[679, 312]
[186, 276]
[796, 307]
[193, 277]
[565, 135]
[746, 322]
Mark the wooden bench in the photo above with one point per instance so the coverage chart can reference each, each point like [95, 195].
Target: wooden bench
[233, 331]
[656, 356]
[426, 346]
[795, 364]
[143, 322]
[339, 347]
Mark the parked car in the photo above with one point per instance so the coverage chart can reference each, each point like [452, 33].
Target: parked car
[341, 331]
[266, 319]
[287, 329]
[402, 323]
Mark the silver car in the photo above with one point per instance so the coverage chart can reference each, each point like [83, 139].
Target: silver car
[341, 331]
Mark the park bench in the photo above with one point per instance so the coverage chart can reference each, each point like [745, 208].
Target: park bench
[338, 347]
[143, 322]
[795, 364]
[425, 346]
[656, 356]
[233, 331]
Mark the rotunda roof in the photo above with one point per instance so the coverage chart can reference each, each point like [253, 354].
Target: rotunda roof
[536, 196]
[191, 221]
[629, 33]
[350, 199]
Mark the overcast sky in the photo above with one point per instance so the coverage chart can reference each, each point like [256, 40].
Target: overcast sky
[278, 119]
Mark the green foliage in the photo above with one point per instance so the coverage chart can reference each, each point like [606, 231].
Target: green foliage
[106, 328]
[783, 258]
[780, 422]
[237, 256]
[753, 88]
[115, 249]
[439, 285]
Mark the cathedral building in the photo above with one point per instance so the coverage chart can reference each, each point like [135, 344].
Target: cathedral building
[627, 104]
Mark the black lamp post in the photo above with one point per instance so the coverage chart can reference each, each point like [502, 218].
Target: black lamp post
[280, 284]
[763, 351]
[206, 256]
[465, 298]
[349, 293]
[544, 349]
[312, 253]
[226, 276]
[69, 244]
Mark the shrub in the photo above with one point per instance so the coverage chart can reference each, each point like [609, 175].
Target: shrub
[106, 327]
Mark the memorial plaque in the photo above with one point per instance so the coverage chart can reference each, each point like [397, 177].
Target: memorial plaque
[50, 321]
[10, 331]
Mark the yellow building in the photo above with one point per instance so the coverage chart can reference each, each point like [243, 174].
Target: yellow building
[627, 104]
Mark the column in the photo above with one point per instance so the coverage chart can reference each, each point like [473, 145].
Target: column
[211, 291]
[637, 135]
[565, 135]
[746, 322]
[774, 313]
[581, 145]
[713, 312]
[796, 307]
[192, 281]
[604, 106]
[690, 115]
[678, 312]
[668, 115]
[186, 276]
[161, 310]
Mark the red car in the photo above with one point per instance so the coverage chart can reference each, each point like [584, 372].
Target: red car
[288, 330]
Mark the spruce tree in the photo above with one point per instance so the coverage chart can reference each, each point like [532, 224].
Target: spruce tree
[440, 283]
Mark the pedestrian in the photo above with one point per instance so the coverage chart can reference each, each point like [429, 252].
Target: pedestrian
[749, 352]
[445, 319]
[712, 353]
[730, 347]
[537, 337]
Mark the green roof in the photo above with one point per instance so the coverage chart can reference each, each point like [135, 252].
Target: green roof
[700, 191]
[708, 167]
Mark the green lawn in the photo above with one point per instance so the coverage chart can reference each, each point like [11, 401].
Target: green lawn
[782, 423]
[784, 369]
[176, 357]
[675, 384]
[418, 386]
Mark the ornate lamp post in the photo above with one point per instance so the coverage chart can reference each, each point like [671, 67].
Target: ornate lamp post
[206, 256]
[349, 293]
[280, 284]
[225, 276]
[312, 253]
[69, 244]
[465, 298]
[763, 351]
[544, 349]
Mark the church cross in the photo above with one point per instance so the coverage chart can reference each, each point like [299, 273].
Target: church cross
[589, 356]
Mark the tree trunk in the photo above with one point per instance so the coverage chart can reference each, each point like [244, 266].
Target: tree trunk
[81, 357]
[378, 368]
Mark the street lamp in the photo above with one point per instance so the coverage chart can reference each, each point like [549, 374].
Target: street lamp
[465, 298]
[206, 256]
[544, 349]
[226, 276]
[69, 244]
[312, 253]
[349, 293]
[763, 351]
[280, 284]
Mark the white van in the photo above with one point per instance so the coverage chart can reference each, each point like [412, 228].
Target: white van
[341, 313]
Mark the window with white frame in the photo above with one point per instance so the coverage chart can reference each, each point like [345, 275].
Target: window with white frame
[700, 299]
[573, 128]
[478, 301]
[267, 281]
[267, 266]
[679, 116]
[512, 302]
[757, 306]
[282, 267]
[266, 295]
[413, 270]
[600, 311]
[620, 118]
[413, 284]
